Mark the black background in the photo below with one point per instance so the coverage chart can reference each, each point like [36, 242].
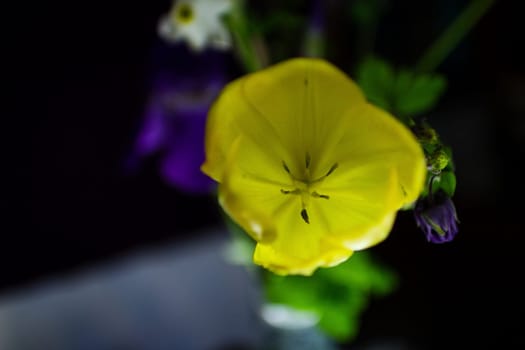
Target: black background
[78, 77]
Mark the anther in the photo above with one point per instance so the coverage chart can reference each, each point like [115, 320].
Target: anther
[317, 195]
[296, 191]
[304, 215]
[307, 160]
[332, 169]
[286, 167]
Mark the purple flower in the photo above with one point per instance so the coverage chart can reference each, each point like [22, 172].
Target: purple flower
[184, 86]
[436, 216]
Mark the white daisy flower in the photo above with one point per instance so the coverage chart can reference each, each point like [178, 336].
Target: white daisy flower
[198, 22]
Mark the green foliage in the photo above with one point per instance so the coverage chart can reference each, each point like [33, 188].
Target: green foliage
[437, 160]
[366, 12]
[376, 78]
[240, 29]
[448, 182]
[415, 94]
[445, 182]
[279, 24]
[403, 93]
[450, 165]
[338, 295]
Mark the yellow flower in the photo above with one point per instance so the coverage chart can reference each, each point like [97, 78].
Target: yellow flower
[307, 167]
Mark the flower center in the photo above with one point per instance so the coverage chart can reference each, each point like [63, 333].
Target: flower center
[305, 186]
[184, 13]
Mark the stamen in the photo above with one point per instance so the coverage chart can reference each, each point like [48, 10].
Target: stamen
[303, 188]
[304, 215]
[317, 195]
[296, 191]
[307, 160]
[332, 169]
[286, 167]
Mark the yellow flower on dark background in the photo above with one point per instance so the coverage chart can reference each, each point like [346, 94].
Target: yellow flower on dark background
[307, 166]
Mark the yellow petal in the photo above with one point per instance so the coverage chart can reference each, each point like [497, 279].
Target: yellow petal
[284, 264]
[303, 100]
[287, 244]
[221, 131]
[292, 108]
[362, 204]
[249, 193]
[358, 213]
[368, 134]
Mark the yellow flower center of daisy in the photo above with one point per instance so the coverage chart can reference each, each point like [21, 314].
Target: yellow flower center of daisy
[184, 13]
[305, 186]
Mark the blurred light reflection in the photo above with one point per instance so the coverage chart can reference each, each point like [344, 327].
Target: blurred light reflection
[186, 297]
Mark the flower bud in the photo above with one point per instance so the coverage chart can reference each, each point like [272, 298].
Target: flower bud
[437, 161]
[436, 216]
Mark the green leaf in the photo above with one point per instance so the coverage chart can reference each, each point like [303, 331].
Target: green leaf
[447, 182]
[417, 94]
[340, 325]
[403, 93]
[448, 151]
[376, 78]
[366, 12]
[338, 295]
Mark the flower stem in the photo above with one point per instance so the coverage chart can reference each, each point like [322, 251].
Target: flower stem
[314, 42]
[450, 38]
[244, 45]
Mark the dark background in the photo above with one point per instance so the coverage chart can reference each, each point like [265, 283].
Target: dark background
[79, 74]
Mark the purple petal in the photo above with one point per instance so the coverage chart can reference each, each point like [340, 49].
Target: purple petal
[180, 166]
[439, 212]
[183, 86]
[152, 135]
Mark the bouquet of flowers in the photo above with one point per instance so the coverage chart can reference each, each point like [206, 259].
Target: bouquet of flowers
[310, 159]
